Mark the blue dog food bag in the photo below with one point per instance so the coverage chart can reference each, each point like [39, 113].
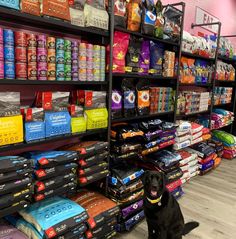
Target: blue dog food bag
[10, 3]
[57, 123]
[34, 131]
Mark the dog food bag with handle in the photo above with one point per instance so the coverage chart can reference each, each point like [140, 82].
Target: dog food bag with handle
[56, 8]
[120, 13]
[144, 59]
[134, 15]
[160, 21]
[116, 108]
[148, 17]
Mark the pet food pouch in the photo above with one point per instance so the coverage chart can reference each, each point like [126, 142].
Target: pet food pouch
[132, 56]
[156, 58]
[129, 97]
[160, 20]
[144, 59]
[120, 47]
[116, 107]
[148, 17]
[134, 15]
[120, 13]
[143, 98]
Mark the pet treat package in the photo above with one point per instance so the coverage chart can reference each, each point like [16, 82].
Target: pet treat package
[31, 7]
[56, 8]
[156, 58]
[120, 47]
[116, 108]
[148, 17]
[129, 97]
[144, 59]
[143, 98]
[134, 15]
[133, 53]
[9, 104]
[160, 20]
[120, 13]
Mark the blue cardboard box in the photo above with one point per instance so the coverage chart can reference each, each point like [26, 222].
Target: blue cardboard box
[57, 123]
[34, 131]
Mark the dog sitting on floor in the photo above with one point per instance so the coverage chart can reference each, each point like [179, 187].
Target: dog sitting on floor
[164, 217]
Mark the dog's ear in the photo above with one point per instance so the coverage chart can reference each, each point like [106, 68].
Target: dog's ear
[145, 176]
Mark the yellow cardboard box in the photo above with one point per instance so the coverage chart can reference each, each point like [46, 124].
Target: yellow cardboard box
[11, 130]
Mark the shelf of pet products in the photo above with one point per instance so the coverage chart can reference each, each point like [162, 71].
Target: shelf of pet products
[48, 82]
[142, 117]
[179, 116]
[25, 146]
[196, 84]
[49, 23]
[195, 56]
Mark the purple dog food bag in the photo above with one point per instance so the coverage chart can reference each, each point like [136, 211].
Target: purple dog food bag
[116, 106]
[144, 58]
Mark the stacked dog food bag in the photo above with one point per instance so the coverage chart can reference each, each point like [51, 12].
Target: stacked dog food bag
[221, 118]
[64, 219]
[15, 184]
[92, 161]
[228, 141]
[54, 173]
[102, 214]
[125, 185]
[219, 148]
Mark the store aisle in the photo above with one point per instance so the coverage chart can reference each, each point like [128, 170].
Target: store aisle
[210, 200]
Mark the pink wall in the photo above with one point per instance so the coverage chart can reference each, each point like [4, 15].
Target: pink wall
[225, 10]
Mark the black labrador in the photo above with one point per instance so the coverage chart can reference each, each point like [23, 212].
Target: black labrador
[164, 217]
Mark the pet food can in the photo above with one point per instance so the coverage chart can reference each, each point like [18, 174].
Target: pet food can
[9, 70]
[51, 56]
[8, 37]
[67, 46]
[41, 41]
[9, 54]
[42, 71]
[60, 44]
[82, 49]
[68, 58]
[75, 47]
[103, 52]
[89, 74]
[51, 43]
[96, 74]
[68, 72]
[96, 51]
[51, 71]
[60, 58]
[1, 52]
[21, 70]
[82, 75]
[60, 72]
[1, 70]
[75, 76]
[32, 55]
[32, 71]
[31, 40]
[20, 54]
[74, 56]
[20, 39]
[42, 55]
[1, 35]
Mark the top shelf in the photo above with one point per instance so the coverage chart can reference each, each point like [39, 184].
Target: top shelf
[227, 60]
[138, 34]
[60, 26]
[187, 54]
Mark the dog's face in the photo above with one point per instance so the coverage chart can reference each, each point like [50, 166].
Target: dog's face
[154, 184]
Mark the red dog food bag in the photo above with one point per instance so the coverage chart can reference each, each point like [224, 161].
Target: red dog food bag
[120, 47]
[31, 7]
[56, 8]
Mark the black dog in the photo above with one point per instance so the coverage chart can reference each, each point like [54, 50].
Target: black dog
[162, 211]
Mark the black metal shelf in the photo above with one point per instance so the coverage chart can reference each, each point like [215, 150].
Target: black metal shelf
[140, 117]
[225, 82]
[38, 82]
[227, 60]
[11, 15]
[50, 140]
[138, 34]
[195, 84]
[195, 56]
[133, 75]
[222, 105]
[193, 114]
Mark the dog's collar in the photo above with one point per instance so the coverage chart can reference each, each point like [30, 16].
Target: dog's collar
[154, 201]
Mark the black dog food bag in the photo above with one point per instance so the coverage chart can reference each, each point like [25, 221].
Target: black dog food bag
[116, 105]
